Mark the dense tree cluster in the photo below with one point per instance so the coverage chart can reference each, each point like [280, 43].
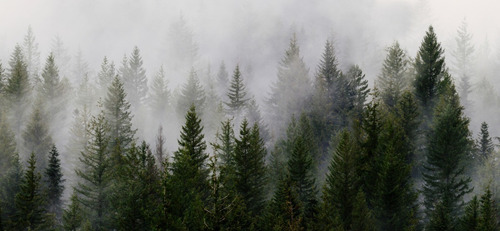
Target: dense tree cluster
[329, 154]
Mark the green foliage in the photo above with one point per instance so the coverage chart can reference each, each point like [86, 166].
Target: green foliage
[18, 85]
[429, 65]
[73, 215]
[30, 201]
[392, 81]
[484, 143]
[7, 146]
[236, 93]
[470, 220]
[9, 188]
[54, 183]
[285, 209]
[362, 218]
[118, 116]
[357, 91]
[489, 214]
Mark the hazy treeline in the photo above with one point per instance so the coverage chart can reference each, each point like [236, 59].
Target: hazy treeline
[324, 151]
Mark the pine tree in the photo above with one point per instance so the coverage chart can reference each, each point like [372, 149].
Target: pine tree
[224, 144]
[80, 68]
[181, 47]
[489, 214]
[462, 63]
[429, 66]
[36, 137]
[52, 90]
[31, 55]
[61, 55]
[470, 220]
[9, 188]
[357, 91]
[95, 172]
[236, 93]
[54, 183]
[106, 75]
[159, 94]
[192, 94]
[135, 80]
[393, 80]
[292, 88]
[484, 143]
[339, 192]
[18, 89]
[250, 169]
[285, 208]
[254, 116]
[444, 171]
[7, 146]
[188, 181]
[30, 201]
[118, 116]
[362, 218]
[72, 216]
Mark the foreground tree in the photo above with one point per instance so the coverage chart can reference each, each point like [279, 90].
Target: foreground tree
[54, 183]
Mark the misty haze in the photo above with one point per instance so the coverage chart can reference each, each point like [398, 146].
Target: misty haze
[249, 115]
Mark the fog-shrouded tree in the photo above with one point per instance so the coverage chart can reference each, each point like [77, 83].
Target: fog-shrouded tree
[17, 89]
[393, 79]
[181, 46]
[160, 149]
[10, 186]
[95, 175]
[105, 75]
[290, 91]
[160, 94]
[254, 116]
[80, 68]
[357, 91]
[484, 143]
[135, 81]
[118, 116]
[236, 93]
[52, 90]
[36, 137]
[62, 57]
[31, 55]
[463, 63]
[429, 67]
[222, 81]
[73, 214]
[30, 201]
[7, 145]
[3, 81]
[192, 93]
[54, 183]
[449, 143]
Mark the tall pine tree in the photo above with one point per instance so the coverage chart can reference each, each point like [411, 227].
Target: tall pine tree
[392, 81]
[236, 93]
[54, 183]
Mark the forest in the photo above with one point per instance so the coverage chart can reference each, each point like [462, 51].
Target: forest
[119, 148]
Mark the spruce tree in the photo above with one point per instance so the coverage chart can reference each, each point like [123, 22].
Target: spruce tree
[342, 183]
[135, 80]
[7, 146]
[106, 75]
[188, 182]
[250, 169]
[290, 91]
[31, 55]
[192, 93]
[94, 173]
[429, 67]
[118, 116]
[160, 152]
[9, 188]
[236, 93]
[484, 143]
[362, 218]
[445, 182]
[470, 220]
[462, 63]
[18, 89]
[357, 91]
[30, 201]
[222, 81]
[2, 82]
[54, 183]
[72, 216]
[159, 94]
[392, 81]
[285, 208]
[52, 90]
[224, 144]
[489, 212]
[36, 137]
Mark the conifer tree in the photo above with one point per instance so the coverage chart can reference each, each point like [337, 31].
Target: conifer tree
[429, 67]
[290, 91]
[188, 181]
[489, 213]
[18, 89]
[52, 89]
[9, 188]
[462, 63]
[285, 208]
[250, 169]
[80, 67]
[2, 82]
[36, 137]
[134, 79]
[444, 171]
[31, 55]
[106, 75]
[342, 183]
[160, 152]
[118, 116]
[362, 218]
[224, 145]
[181, 47]
[159, 94]
[392, 81]
[72, 216]
[222, 81]
[484, 143]
[470, 220]
[61, 55]
[95, 172]
[236, 93]
[54, 183]
[7, 146]
[357, 91]
[192, 93]
[30, 201]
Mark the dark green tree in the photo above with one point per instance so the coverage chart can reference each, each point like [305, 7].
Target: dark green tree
[224, 145]
[30, 201]
[285, 208]
[362, 218]
[392, 81]
[54, 183]
[7, 146]
[236, 93]
[470, 220]
[192, 93]
[449, 143]
[250, 169]
[342, 185]
[188, 181]
[9, 188]
[95, 171]
[135, 81]
[489, 213]
[484, 143]
[429, 67]
[36, 137]
[73, 215]
[118, 116]
[357, 91]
